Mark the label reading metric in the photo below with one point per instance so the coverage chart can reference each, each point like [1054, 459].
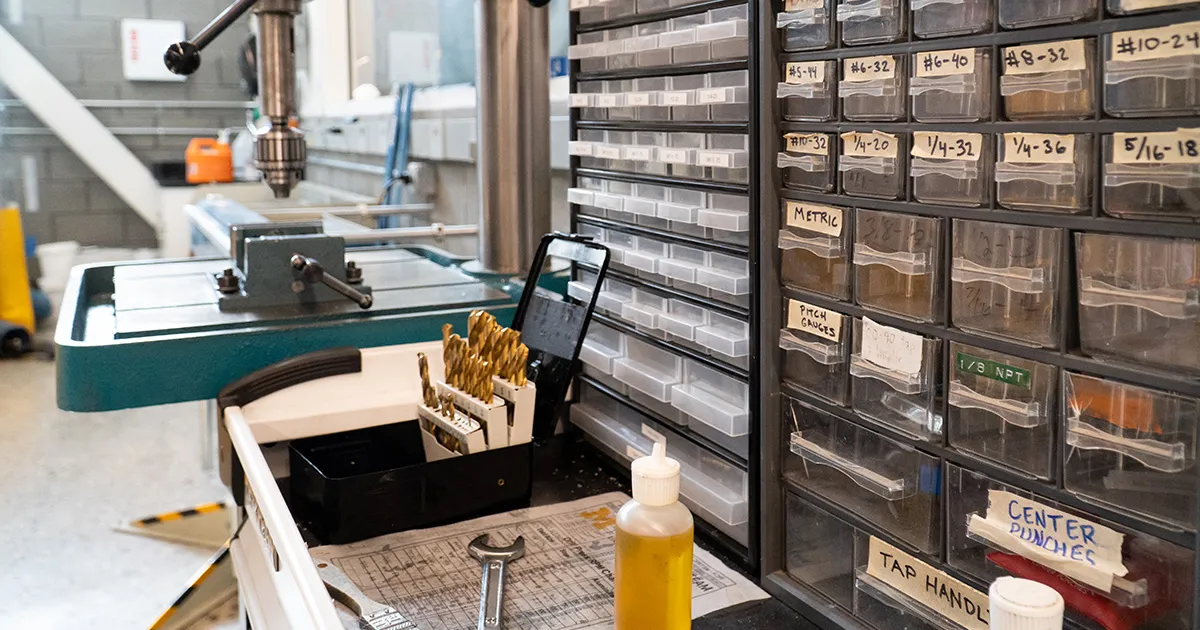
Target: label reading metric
[801, 72]
[994, 370]
[1046, 57]
[814, 320]
[1181, 146]
[811, 143]
[1176, 40]
[1039, 148]
[870, 144]
[942, 63]
[814, 217]
[944, 145]
[869, 68]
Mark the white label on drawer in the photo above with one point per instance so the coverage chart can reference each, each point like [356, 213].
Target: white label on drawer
[675, 99]
[1039, 148]
[943, 63]
[633, 453]
[649, 432]
[1176, 40]
[958, 602]
[608, 100]
[800, 72]
[1141, 5]
[814, 320]
[719, 159]
[640, 154]
[608, 152]
[812, 143]
[580, 148]
[815, 217]
[892, 348]
[1078, 548]
[711, 95]
[869, 68]
[673, 156]
[944, 145]
[1046, 57]
[575, 5]
[803, 5]
[580, 100]
[637, 99]
[870, 144]
[1181, 146]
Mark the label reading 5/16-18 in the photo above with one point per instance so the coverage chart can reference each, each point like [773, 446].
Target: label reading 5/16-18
[1181, 146]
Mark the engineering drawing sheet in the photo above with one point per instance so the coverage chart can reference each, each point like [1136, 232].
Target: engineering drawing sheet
[564, 582]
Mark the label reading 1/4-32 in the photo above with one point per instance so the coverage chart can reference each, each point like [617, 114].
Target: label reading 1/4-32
[945, 145]
[1046, 57]
[994, 370]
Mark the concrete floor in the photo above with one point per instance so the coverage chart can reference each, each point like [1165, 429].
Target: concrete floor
[65, 481]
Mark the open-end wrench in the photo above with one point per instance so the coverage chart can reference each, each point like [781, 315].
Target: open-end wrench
[491, 594]
[371, 614]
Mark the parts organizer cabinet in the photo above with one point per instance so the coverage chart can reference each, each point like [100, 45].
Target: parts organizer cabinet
[664, 170]
[1007, 309]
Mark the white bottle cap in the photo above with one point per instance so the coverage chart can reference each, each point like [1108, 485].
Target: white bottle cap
[1019, 604]
[656, 478]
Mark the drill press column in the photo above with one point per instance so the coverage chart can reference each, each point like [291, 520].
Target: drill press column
[281, 150]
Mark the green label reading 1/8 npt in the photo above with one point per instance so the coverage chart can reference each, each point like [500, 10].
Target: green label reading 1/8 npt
[968, 364]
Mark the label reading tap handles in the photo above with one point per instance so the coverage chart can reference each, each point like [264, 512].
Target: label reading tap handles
[942, 63]
[1176, 40]
[1039, 148]
[944, 145]
[1181, 146]
[870, 144]
[802, 72]
[811, 143]
[1046, 57]
[869, 68]
[960, 604]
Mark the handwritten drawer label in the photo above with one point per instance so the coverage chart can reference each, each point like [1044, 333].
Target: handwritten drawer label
[649, 432]
[608, 100]
[814, 320]
[892, 348]
[811, 143]
[637, 99]
[792, 6]
[1046, 57]
[814, 217]
[800, 72]
[1076, 547]
[1039, 148]
[1176, 40]
[870, 144]
[944, 145]
[994, 370]
[711, 95]
[639, 154]
[942, 63]
[954, 600]
[869, 68]
[673, 156]
[1181, 146]
[608, 152]
[676, 99]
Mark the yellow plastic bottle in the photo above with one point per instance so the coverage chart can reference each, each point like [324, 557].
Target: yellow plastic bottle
[653, 569]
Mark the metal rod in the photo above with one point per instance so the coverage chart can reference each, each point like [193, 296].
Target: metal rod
[346, 211]
[436, 230]
[144, 104]
[223, 21]
[116, 131]
[345, 165]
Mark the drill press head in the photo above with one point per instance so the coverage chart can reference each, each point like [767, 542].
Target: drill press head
[281, 156]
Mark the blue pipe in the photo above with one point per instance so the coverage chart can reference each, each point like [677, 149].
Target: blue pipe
[397, 156]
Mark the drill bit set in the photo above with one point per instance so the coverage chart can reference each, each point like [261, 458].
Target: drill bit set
[484, 387]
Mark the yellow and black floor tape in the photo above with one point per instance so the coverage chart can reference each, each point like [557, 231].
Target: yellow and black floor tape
[201, 593]
[204, 525]
[207, 508]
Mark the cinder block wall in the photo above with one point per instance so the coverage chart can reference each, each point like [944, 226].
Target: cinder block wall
[79, 42]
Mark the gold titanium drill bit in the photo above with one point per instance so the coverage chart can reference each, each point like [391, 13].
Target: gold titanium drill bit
[473, 327]
[488, 390]
[519, 369]
[447, 328]
[427, 393]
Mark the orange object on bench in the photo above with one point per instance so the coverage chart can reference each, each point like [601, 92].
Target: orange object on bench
[208, 161]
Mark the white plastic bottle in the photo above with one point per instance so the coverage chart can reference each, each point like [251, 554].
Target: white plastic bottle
[653, 568]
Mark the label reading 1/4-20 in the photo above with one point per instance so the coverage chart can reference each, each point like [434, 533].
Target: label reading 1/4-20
[870, 144]
[994, 370]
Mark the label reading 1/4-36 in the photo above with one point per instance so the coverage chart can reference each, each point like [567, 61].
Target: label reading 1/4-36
[1181, 146]
[1046, 57]
[801, 72]
[1176, 40]
[994, 370]
[1039, 148]
[870, 144]
[811, 143]
[868, 68]
[941, 63]
[944, 145]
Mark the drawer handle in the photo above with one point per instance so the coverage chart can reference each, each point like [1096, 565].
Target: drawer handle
[808, 163]
[1025, 415]
[803, 17]
[960, 84]
[958, 169]
[1168, 457]
[1059, 82]
[1165, 301]
[824, 247]
[907, 384]
[825, 353]
[1178, 176]
[1049, 174]
[873, 482]
[907, 263]
[1018, 279]
[1176, 68]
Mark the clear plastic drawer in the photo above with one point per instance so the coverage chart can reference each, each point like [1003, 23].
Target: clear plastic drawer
[643, 310]
[952, 85]
[1131, 447]
[1126, 7]
[953, 169]
[1045, 172]
[725, 337]
[873, 88]
[1002, 408]
[1139, 301]
[1050, 94]
[1027, 13]
[601, 347]
[872, 164]
[897, 379]
[885, 482]
[822, 551]
[814, 248]
[994, 530]
[727, 95]
[727, 32]
[613, 296]
[806, 24]
[648, 369]
[945, 18]
[1005, 281]
[725, 274]
[1164, 82]
[713, 399]
[1139, 184]
[897, 264]
[807, 90]
[816, 351]
[872, 21]
[681, 321]
[808, 161]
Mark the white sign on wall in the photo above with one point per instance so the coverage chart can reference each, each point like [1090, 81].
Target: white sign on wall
[143, 43]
